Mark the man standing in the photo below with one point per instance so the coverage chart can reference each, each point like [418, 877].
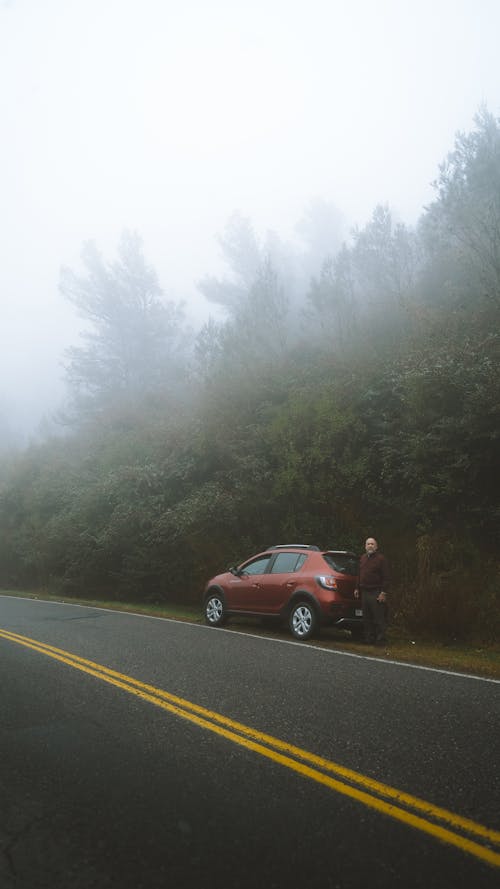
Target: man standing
[373, 580]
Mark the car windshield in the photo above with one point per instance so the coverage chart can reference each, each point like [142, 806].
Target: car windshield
[344, 563]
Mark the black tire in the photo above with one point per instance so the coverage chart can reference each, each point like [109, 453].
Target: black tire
[303, 620]
[215, 609]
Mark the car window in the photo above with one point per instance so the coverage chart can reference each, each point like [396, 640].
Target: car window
[258, 566]
[286, 563]
[344, 563]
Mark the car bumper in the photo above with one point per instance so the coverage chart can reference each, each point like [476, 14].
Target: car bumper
[345, 616]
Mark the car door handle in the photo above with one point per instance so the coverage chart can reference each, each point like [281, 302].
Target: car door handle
[258, 585]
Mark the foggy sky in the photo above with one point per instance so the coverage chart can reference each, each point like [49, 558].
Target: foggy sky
[166, 117]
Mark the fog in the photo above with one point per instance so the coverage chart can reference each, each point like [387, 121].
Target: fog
[165, 118]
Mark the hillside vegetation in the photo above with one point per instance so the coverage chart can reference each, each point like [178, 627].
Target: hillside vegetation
[357, 397]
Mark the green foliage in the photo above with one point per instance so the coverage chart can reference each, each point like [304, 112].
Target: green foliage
[454, 593]
[371, 408]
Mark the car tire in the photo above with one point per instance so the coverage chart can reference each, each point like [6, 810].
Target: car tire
[303, 621]
[215, 609]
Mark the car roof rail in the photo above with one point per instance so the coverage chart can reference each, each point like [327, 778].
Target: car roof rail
[294, 546]
[340, 552]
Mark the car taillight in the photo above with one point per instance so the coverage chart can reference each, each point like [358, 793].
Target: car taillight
[327, 581]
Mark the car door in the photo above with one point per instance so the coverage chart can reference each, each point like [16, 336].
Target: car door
[247, 589]
[281, 580]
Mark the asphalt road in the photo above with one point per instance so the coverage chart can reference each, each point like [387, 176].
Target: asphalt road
[105, 782]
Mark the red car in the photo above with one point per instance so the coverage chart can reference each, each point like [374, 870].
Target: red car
[303, 585]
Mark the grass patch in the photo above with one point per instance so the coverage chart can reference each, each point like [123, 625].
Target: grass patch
[175, 612]
[479, 660]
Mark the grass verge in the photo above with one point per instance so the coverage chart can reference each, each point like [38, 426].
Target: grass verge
[479, 660]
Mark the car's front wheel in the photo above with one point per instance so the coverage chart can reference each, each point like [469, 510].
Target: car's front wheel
[215, 610]
[303, 621]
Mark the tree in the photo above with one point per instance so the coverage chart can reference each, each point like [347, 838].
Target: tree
[384, 258]
[322, 229]
[367, 289]
[461, 229]
[132, 335]
[242, 254]
[333, 300]
[208, 349]
[264, 312]
[264, 275]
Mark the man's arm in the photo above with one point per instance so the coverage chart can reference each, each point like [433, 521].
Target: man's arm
[382, 596]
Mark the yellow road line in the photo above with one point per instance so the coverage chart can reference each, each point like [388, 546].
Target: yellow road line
[254, 740]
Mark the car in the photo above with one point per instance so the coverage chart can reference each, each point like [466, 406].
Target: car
[303, 585]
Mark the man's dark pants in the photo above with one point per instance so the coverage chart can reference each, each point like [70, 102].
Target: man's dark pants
[374, 616]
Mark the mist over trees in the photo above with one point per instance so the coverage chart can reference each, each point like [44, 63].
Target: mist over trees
[133, 338]
[352, 388]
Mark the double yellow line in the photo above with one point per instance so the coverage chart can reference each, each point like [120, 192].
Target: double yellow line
[469, 836]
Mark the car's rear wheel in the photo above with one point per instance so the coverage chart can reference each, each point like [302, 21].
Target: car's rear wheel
[215, 610]
[303, 621]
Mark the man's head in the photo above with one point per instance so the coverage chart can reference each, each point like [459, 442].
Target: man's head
[371, 545]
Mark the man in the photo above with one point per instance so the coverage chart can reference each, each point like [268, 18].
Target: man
[373, 580]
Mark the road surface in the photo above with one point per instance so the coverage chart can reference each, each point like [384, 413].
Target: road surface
[138, 752]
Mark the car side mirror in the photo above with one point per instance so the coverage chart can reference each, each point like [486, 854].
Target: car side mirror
[234, 570]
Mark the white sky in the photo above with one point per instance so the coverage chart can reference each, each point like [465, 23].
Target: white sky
[165, 116]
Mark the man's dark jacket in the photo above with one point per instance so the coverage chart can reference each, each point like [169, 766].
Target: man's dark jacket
[373, 572]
